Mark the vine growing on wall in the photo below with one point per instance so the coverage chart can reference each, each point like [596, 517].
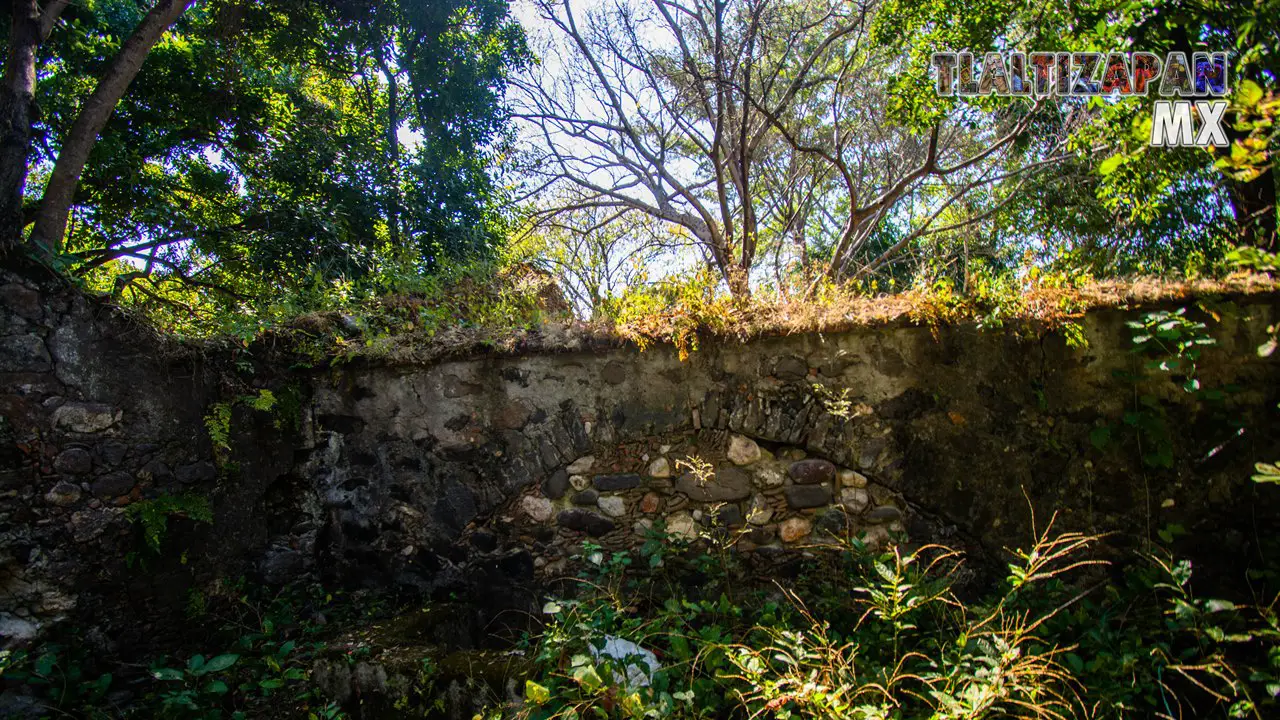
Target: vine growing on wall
[218, 421]
[1172, 344]
[153, 515]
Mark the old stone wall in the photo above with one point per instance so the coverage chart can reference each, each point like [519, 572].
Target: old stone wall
[491, 471]
[97, 415]
[873, 434]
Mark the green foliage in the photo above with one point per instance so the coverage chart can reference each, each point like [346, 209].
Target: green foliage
[59, 673]
[1252, 258]
[218, 425]
[674, 309]
[264, 145]
[994, 295]
[1173, 342]
[218, 422]
[1267, 473]
[264, 401]
[885, 636]
[195, 690]
[270, 639]
[153, 515]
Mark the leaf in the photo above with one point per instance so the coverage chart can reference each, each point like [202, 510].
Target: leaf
[1110, 165]
[45, 664]
[1267, 473]
[1248, 94]
[587, 677]
[216, 687]
[536, 694]
[221, 662]
[1100, 437]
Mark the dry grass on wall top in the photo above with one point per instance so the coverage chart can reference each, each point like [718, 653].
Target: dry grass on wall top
[1036, 307]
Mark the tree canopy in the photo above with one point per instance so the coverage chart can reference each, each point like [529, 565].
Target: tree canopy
[228, 154]
[266, 144]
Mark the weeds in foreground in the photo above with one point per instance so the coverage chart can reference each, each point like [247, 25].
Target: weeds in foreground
[895, 640]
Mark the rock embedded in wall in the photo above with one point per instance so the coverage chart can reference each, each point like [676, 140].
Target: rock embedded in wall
[884, 514]
[800, 497]
[581, 466]
[651, 503]
[766, 505]
[855, 499]
[811, 471]
[585, 521]
[659, 468]
[537, 509]
[682, 526]
[616, 482]
[742, 450]
[728, 483]
[556, 484]
[760, 512]
[795, 529]
[586, 498]
[613, 506]
[851, 479]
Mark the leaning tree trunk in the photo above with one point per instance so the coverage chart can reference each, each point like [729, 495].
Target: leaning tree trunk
[17, 93]
[55, 205]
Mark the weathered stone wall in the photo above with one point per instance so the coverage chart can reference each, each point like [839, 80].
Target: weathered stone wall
[955, 437]
[97, 414]
[491, 471]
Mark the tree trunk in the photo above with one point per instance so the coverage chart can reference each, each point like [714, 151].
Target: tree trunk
[17, 93]
[738, 278]
[393, 149]
[1254, 205]
[55, 205]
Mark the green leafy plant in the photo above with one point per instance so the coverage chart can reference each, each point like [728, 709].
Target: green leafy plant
[194, 690]
[218, 425]
[836, 404]
[1173, 342]
[61, 675]
[153, 515]
[218, 421]
[1267, 473]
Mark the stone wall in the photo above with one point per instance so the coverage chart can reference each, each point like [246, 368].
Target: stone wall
[956, 437]
[98, 414]
[489, 472]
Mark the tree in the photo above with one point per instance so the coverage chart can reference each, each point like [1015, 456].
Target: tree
[597, 253]
[29, 27]
[55, 203]
[701, 113]
[271, 146]
[1248, 30]
[1156, 206]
